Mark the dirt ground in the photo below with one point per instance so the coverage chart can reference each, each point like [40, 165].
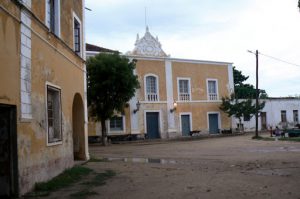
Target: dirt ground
[225, 167]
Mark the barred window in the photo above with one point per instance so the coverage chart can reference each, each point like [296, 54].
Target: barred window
[283, 116]
[295, 116]
[53, 114]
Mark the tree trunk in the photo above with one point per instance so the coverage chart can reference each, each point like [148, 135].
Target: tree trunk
[241, 129]
[103, 128]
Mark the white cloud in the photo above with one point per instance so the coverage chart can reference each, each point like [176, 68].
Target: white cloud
[210, 30]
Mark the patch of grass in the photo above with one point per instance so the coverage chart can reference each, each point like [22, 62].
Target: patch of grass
[294, 139]
[65, 179]
[100, 178]
[83, 194]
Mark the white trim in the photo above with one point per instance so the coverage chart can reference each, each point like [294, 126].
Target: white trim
[191, 120]
[189, 83]
[217, 88]
[159, 122]
[113, 132]
[219, 119]
[46, 106]
[145, 86]
[230, 79]
[81, 33]
[153, 102]
[179, 60]
[200, 101]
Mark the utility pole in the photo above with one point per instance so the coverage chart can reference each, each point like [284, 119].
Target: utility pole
[257, 94]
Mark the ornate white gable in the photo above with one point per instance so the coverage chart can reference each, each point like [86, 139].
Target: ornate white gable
[148, 46]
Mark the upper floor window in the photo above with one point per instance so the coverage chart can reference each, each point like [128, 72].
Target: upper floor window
[53, 16]
[116, 123]
[184, 90]
[151, 88]
[212, 89]
[77, 35]
[283, 116]
[53, 114]
[295, 116]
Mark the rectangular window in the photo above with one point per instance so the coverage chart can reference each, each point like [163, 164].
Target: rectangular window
[151, 88]
[77, 37]
[184, 90]
[283, 116]
[53, 114]
[53, 16]
[295, 116]
[116, 123]
[212, 90]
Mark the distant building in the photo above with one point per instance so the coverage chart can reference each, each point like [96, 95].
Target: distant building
[92, 50]
[282, 112]
[43, 113]
[176, 95]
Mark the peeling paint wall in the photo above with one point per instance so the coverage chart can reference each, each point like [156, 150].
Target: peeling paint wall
[52, 61]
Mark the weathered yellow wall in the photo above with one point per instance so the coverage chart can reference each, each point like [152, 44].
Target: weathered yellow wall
[9, 55]
[198, 74]
[51, 62]
[154, 67]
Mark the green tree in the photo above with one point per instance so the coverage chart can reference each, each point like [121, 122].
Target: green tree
[111, 83]
[245, 91]
[239, 107]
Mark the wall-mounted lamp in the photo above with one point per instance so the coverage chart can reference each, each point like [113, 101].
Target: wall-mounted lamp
[174, 107]
[138, 104]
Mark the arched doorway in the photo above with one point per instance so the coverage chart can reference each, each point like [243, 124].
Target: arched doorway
[78, 128]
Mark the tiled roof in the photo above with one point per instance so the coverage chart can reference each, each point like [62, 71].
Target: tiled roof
[91, 47]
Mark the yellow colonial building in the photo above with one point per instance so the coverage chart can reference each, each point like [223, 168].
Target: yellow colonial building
[177, 96]
[43, 126]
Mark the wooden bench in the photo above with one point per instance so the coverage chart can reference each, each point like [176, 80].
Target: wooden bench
[194, 132]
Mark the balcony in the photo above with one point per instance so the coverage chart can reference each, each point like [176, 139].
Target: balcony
[152, 97]
[184, 97]
[212, 96]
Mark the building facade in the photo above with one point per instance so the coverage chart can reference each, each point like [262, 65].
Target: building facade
[42, 109]
[176, 96]
[280, 112]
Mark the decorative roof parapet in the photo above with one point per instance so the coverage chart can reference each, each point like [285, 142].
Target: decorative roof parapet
[148, 46]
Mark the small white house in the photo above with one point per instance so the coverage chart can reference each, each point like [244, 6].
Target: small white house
[281, 112]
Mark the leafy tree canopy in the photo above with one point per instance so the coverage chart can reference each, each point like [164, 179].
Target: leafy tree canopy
[111, 83]
[245, 91]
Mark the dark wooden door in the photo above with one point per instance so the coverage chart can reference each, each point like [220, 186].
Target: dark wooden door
[8, 158]
[152, 125]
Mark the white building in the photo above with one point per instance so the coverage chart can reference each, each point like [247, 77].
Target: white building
[281, 112]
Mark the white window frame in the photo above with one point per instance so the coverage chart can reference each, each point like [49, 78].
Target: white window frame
[117, 131]
[178, 88]
[219, 119]
[217, 89]
[79, 21]
[145, 87]
[57, 16]
[191, 120]
[46, 103]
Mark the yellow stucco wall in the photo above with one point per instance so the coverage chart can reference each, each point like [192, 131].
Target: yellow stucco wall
[9, 55]
[144, 67]
[199, 73]
[51, 61]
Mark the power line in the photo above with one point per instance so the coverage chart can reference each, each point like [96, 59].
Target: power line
[280, 60]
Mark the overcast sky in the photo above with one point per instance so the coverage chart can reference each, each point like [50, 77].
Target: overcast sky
[209, 30]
